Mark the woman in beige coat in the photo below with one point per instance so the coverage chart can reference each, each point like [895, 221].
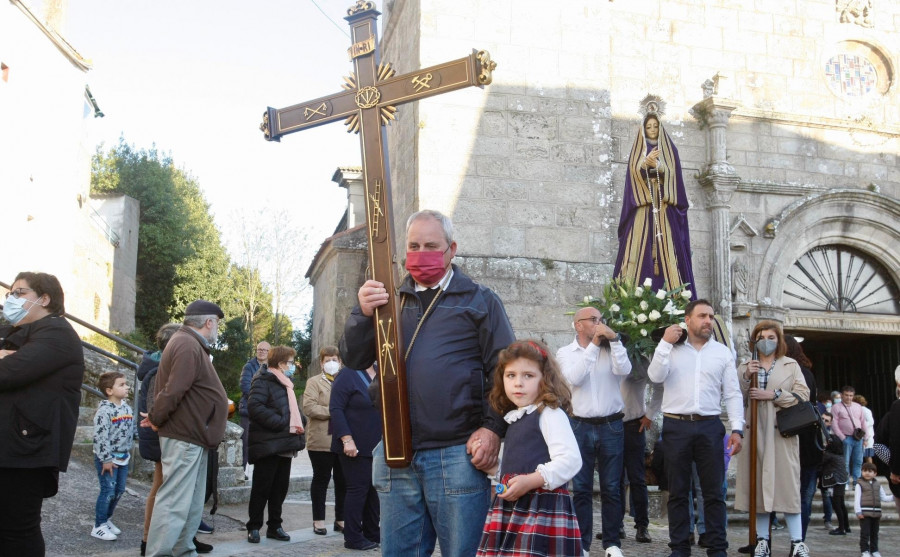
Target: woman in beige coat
[777, 457]
[316, 398]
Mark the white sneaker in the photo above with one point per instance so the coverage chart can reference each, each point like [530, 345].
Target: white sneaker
[865, 554]
[762, 548]
[829, 526]
[102, 533]
[876, 554]
[613, 551]
[112, 527]
[799, 549]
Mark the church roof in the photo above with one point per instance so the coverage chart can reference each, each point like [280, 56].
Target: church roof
[353, 238]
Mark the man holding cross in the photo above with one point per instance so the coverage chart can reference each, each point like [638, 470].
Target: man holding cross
[452, 331]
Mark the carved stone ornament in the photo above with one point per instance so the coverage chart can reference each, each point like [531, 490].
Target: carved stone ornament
[740, 279]
[858, 12]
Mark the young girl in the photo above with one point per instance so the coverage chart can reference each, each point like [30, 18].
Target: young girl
[533, 512]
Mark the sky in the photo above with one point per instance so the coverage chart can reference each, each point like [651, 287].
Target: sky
[194, 77]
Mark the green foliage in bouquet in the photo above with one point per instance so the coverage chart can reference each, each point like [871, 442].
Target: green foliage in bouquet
[637, 310]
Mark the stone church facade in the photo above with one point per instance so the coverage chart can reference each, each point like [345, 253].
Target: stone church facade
[785, 115]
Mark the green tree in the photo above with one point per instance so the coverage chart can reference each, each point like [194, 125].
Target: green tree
[180, 252]
[147, 177]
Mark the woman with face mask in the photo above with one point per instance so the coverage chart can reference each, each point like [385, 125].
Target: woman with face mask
[41, 371]
[778, 458]
[276, 436]
[318, 442]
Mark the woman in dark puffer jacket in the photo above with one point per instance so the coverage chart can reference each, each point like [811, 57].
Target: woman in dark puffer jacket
[276, 435]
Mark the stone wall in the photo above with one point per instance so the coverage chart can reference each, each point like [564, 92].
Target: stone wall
[532, 168]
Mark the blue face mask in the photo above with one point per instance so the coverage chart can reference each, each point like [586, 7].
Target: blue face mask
[14, 309]
[289, 372]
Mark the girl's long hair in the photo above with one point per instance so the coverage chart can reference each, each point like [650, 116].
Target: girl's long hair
[553, 391]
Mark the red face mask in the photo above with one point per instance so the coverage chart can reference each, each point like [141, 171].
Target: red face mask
[426, 267]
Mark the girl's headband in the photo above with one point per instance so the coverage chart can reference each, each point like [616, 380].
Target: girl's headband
[540, 350]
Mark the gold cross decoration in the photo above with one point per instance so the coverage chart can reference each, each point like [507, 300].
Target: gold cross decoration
[367, 103]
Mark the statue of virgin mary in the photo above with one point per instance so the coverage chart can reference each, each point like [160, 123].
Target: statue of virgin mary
[653, 229]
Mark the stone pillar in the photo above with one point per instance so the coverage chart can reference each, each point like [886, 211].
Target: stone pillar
[719, 181]
[351, 178]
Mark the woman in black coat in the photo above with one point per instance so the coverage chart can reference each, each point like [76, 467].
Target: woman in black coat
[276, 435]
[41, 371]
[355, 430]
[810, 453]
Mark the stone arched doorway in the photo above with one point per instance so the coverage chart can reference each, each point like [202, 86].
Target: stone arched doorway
[823, 250]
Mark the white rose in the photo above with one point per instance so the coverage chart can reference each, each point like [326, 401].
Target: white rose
[654, 315]
[642, 318]
[587, 299]
[614, 307]
[683, 325]
[644, 331]
[644, 305]
[686, 294]
[638, 292]
[648, 282]
[661, 294]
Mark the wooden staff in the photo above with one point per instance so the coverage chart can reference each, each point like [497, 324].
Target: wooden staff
[754, 383]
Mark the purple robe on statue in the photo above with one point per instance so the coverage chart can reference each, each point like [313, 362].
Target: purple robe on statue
[653, 229]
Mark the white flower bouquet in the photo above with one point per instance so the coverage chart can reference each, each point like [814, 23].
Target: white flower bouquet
[636, 310]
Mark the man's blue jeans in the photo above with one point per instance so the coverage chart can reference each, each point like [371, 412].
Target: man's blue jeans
[807, 491]
[112, 486]
[604, 446]
[853, 456]
[439, 497]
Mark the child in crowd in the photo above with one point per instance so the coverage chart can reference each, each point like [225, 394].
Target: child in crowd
[867, 506]
[533, 512]
[834, 476]
[113, 438]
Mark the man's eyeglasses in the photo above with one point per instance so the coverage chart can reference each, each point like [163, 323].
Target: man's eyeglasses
[18, 292]
[594, 320]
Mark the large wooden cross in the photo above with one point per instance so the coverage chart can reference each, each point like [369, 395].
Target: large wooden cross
[367, 103]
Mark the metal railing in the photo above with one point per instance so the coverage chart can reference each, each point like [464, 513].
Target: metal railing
[106, 334]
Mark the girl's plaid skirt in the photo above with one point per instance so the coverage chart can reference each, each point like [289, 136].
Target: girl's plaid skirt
[540, 523]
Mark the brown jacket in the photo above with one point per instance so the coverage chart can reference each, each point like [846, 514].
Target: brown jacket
[190, 402]
[778, 458]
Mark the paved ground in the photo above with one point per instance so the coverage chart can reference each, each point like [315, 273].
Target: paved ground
[69, 516]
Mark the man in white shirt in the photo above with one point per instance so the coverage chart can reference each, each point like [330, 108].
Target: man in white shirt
[697, 375]
[594, 365]
[638, 419]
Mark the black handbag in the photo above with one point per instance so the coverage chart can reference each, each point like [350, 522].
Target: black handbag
[791, 420]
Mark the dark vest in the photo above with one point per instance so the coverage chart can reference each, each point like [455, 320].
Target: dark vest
[524, 446]
[870, 497]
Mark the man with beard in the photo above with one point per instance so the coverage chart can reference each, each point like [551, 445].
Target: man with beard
[697, 375]
[189, 412]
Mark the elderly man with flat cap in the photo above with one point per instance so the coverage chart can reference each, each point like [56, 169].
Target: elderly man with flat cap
[189, 412]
